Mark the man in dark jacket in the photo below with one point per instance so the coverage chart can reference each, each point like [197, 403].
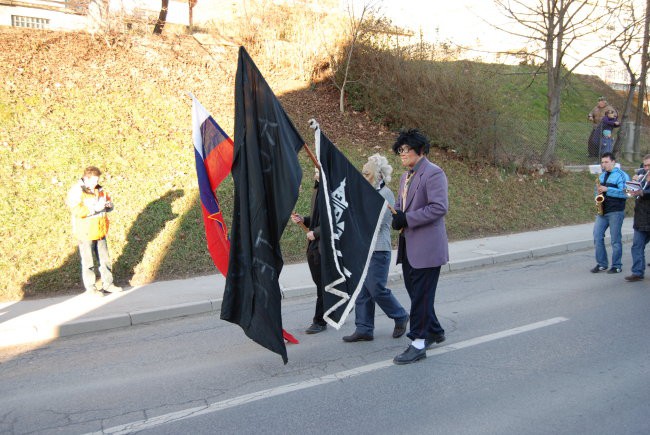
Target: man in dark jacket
[641, 223]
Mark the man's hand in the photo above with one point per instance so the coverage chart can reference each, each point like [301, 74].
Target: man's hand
[296, 218]
[311, 236]
[100, 205]
[399, 220]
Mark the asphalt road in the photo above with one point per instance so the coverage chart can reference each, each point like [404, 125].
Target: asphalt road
[533, 347]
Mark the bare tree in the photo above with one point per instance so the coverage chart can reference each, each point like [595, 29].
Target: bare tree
[642, 88]
[355, 31]
[190, 5]
[629, 49]
[162, 18]
[555, 27]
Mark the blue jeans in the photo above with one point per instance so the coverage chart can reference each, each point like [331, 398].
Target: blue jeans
[374, 290]
[100, 249]
[614, 221]
[641, 238]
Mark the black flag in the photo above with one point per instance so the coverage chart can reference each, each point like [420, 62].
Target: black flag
[266, 174]
[351, 214]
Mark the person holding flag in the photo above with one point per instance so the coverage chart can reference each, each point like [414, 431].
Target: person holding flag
[378, 172]
[423, 247]
[313, 256]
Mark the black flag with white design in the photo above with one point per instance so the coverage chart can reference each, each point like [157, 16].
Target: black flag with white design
[267, 175]
[351, 214]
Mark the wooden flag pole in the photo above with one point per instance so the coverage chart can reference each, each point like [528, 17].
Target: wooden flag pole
[311, 155]
[302, 224]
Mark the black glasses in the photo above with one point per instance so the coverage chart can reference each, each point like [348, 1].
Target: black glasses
[403, 149]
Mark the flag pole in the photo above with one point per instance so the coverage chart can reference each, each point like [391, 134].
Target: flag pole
[311, 155]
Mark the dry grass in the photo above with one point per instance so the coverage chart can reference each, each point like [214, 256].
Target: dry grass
[68, 100]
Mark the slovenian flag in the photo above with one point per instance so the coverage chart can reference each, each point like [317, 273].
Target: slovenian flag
[213, 150]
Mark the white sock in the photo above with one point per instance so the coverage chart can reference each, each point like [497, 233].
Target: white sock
[418, 343]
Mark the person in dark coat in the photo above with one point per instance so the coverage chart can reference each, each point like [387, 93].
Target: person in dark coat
[641, 222]
[313, 257]
[596, 116]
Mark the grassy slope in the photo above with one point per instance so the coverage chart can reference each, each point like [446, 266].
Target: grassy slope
[68, 101]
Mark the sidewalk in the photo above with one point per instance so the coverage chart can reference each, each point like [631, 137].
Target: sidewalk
[44, 319]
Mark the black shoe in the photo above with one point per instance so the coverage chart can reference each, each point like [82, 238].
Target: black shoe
[410, 355]
[633, 278]
[598, 269]
[400, 328]
[614, 270]
[357, 337]
[433, 339]
[315, 328]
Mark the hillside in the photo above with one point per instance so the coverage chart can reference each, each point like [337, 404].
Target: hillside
[69, 100]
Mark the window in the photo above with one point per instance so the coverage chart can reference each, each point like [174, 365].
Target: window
[29, 22]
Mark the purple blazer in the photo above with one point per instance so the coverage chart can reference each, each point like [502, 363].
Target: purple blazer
[425, 208]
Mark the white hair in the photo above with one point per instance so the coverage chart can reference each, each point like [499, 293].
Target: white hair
[381, 168]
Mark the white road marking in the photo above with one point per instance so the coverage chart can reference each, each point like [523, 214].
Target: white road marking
[283, 389]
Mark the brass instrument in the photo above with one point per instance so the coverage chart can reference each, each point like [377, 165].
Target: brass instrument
[599, 198]
[637, 184]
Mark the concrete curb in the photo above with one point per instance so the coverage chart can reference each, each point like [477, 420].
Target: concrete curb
[34, 333]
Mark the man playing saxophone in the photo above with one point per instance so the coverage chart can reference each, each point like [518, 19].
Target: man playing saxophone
[641, 222]
[611, 184]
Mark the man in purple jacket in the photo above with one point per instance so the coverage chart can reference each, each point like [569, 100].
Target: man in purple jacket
[421, 207]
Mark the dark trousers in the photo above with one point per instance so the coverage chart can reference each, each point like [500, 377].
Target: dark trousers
[313, 260]
[421, 286]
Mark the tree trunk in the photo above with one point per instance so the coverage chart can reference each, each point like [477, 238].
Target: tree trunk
[162, 18]
[623, 129]
[190, 5]
[553, 122]
[642, 86]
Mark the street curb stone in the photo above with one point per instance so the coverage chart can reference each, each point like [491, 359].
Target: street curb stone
[188, 309]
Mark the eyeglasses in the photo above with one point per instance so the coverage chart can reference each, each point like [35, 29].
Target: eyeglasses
[403, 149]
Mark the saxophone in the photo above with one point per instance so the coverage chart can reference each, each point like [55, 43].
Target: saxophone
[599, 198]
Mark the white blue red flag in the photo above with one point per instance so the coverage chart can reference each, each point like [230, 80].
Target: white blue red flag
[213, 151]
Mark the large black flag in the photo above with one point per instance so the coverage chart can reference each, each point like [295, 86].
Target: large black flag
[351, 214]
[267, 175]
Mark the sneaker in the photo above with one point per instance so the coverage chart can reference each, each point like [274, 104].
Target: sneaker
[598, 269]
[96, 293]
[615, 270]
[633, 278]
